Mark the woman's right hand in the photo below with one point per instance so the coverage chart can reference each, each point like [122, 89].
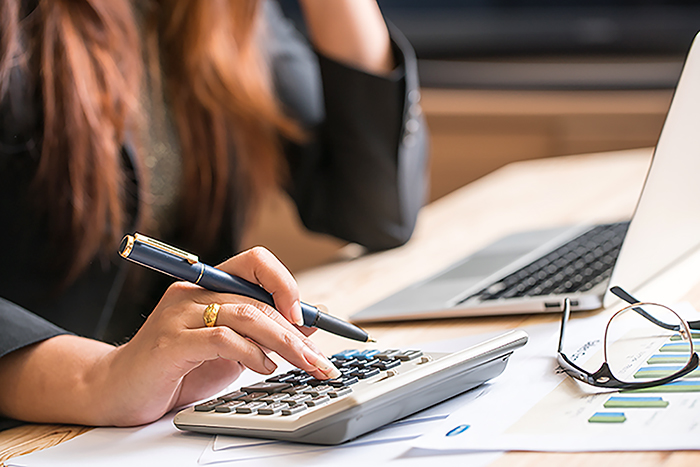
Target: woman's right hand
[174, 359]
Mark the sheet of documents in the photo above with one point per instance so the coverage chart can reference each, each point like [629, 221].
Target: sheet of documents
[386, 446]
[160, 443]
[536, 408]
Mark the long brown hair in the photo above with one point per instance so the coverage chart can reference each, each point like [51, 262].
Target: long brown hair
[90, 67]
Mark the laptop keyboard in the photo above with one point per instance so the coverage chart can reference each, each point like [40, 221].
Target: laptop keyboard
[577, 266]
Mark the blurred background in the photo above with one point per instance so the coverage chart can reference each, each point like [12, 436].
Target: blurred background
[509, 80]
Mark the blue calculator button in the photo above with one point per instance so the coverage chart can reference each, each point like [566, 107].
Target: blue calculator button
[367, 354]
[347, 353]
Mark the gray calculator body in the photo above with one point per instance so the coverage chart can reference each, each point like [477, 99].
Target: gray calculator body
[373, 402]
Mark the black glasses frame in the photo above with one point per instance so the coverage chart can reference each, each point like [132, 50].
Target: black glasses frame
[603, 377]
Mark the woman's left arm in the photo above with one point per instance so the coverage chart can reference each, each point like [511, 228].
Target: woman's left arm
[350, 31]
[362, 174]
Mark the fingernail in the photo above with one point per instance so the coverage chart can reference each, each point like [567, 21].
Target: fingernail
[321, 362]
[270, 365]
[297, 315]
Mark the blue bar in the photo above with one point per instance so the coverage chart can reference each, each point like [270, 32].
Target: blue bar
[660, 368]
[636, 399]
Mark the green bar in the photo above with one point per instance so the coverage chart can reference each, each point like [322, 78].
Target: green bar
[676, 386]
[675, 347]
[651, 372]
[693, 334]
[661, 359]
[607, 417]
[617, 402]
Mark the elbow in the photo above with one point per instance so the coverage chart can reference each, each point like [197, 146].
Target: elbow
[388, 235]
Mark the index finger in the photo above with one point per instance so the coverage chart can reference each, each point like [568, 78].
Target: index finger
[259, 266]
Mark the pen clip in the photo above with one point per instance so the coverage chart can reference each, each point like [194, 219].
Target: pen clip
[189, 257]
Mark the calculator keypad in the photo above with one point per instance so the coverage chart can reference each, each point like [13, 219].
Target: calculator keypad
[296, 391]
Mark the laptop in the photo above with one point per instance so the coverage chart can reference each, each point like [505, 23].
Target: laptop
[534, 271]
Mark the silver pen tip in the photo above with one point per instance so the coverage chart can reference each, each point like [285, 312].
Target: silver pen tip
[369, 339]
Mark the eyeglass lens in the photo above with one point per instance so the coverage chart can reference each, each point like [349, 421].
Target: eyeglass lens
[639, 349]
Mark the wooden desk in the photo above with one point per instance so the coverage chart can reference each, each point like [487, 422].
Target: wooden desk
[529, 194]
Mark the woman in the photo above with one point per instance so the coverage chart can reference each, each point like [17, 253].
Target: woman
[173, 117]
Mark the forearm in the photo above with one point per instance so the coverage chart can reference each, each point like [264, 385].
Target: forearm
[62, 379]
[173, 360]
[350, 31]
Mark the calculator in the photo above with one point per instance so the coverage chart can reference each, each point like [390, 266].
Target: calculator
[376, 387]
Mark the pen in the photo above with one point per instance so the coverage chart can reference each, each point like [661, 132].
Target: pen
[185, 266]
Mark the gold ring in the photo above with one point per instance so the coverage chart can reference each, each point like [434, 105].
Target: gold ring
[211, 312]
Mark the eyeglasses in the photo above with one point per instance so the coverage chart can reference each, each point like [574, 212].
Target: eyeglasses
[646, 332]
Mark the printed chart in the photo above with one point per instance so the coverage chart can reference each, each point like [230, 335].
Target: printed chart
[546, 410]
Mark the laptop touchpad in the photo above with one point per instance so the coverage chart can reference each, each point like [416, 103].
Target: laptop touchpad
[440, 292]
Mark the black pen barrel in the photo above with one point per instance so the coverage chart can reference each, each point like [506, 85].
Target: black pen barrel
[184, 266]
[339, 327]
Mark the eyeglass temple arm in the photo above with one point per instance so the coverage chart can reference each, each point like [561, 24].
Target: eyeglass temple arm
[621, 293]
[564, 319]
[574, 370]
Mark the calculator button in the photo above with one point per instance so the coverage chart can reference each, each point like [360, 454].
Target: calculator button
[368, 363]
[346, 354]
[349, 363]
[294, 380]
[319, 390]
[272, 408]
[250, 407]
[273, 398]
[336, 383]
[409, 355]
[208, 406]
[367, 373]
[367, 354]
[316, 382]
[294, 409]
[388, 354]
[316, 401]
[298, 399]
[280, 378]
[232, 396]
[386, 364]
[254, 396]
[229, 406]
[348, 380]
[266, 387]
[306, 379]
[297, 389]
[339, 392]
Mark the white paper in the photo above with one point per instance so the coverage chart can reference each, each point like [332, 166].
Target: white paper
[389, 445]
